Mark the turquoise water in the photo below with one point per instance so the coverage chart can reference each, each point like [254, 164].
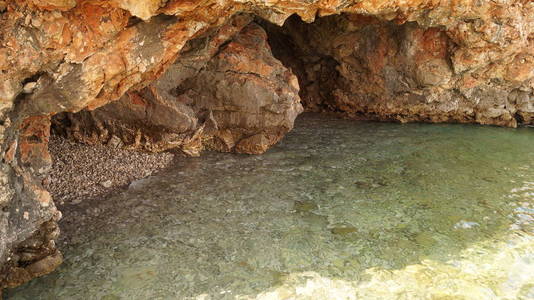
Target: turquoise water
[338, 210]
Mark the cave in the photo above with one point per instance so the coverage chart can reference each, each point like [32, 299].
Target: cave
[175, 83]
[350, 65]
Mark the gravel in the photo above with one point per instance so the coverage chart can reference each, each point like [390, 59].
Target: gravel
[82, 172]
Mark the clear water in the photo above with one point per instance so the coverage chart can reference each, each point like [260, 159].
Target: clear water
[338, 210]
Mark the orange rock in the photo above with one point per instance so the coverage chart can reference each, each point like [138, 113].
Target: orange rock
[62, 5]
[520, 69]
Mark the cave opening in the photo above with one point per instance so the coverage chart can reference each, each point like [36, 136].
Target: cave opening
[239, 88]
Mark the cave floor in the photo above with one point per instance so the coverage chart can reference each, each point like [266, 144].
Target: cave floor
[338, 210]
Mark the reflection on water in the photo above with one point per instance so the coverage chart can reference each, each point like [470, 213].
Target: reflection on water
[338, 210]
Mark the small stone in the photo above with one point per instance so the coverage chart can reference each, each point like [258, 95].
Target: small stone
[465, 225]
[107, 184]
[343, 230]
[36, 22]
[29, 87]
[306, 168]
[83, 172]
[304, 206]
[115, 142]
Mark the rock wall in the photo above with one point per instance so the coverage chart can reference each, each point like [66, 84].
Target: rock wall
[366, 68]
[424, 60]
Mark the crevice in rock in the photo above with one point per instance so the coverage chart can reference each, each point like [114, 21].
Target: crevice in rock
[519, 118]
[32, 78]
[362, 67]
[133, 20]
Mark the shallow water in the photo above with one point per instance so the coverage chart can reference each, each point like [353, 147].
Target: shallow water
[338, 210]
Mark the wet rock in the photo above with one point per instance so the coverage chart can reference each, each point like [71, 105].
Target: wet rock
[45, 265]
[343, 230]
[35, 256]
[305, 206]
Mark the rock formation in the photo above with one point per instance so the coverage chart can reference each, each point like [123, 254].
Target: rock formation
[155, 74]
[367, 68]
[226, 92]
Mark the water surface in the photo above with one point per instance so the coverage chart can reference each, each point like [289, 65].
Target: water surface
[338, 210]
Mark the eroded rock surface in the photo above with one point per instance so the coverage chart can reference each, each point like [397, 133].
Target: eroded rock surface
[366, 68]
[466, 61]
[227, 93]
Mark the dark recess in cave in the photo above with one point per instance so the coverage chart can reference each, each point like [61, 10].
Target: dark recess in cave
[288, 44]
